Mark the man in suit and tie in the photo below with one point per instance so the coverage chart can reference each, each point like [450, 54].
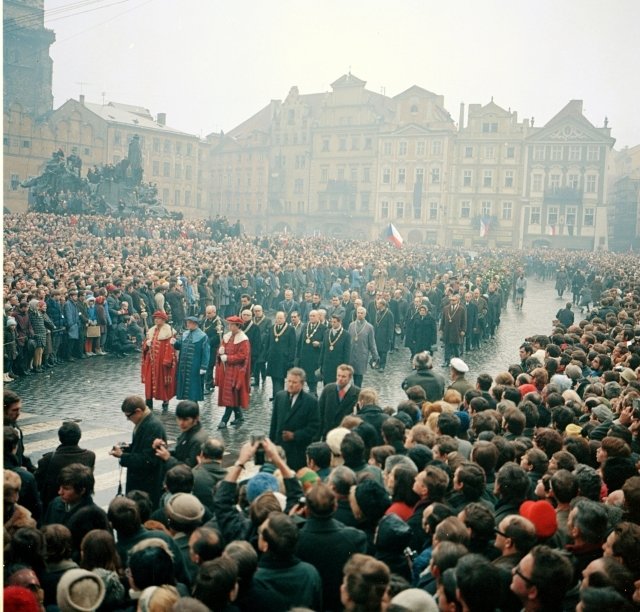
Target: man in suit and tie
[337, 399]
[295, 421]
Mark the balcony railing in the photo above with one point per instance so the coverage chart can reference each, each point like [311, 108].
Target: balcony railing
[567, 195]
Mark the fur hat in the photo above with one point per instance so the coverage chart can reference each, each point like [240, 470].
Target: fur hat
[542, 514]
[185, 509]
[260, 483]
[80, 590]
[11, 322]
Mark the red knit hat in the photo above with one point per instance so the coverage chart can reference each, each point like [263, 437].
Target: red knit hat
[542, 514]
[528, 388]
[20, 599]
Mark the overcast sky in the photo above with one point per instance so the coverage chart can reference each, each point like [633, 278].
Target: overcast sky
[210, 64]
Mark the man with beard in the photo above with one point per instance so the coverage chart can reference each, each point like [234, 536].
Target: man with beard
[384, 326]
[336, 350]
[453, 327]
[213, 327]
[264, 325]
[255, 337]
[363, 345]
[310, 348]
[472, 320]
[280, 351]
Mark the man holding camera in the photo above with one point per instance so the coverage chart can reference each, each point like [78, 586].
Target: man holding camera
[145, 469]
[190, 440]
[295, 421]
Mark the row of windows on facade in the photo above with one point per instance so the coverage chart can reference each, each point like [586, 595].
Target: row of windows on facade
[166, 170]
[166, 146]
[554, 216]
[26, 144]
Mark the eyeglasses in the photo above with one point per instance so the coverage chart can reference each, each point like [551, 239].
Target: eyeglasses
[498, 532]
[517, 572]
[128, 415]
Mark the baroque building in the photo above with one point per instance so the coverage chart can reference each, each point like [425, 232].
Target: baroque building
[350, 161]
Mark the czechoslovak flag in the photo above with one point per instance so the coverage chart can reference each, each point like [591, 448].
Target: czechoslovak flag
[484, 227]
[393, 236]
[551, 230]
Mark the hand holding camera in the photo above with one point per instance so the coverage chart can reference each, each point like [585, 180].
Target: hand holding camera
[119, 449]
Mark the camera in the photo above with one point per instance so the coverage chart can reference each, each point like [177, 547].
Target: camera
[124, 446]
[259, 457]
[636, 408]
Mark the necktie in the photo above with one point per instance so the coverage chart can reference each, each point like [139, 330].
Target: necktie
[341, 393]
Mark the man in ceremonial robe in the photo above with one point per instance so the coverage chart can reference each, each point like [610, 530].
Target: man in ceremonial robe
[233, 373]
[159, 362]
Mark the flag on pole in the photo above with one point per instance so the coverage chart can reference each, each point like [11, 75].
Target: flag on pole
[485, 224]
[393, 236]
[551, 230]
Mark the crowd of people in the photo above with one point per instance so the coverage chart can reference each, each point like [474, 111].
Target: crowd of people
[517, 490]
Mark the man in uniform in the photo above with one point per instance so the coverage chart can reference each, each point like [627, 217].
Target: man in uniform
[458, 382]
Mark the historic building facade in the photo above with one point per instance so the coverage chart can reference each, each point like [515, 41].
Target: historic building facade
[351, 161]
[347, 162]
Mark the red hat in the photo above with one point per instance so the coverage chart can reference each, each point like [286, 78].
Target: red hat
[234, 319]
[158, 314]
[20, 599]
[528, 388]
[111, 288]
[542, 515]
